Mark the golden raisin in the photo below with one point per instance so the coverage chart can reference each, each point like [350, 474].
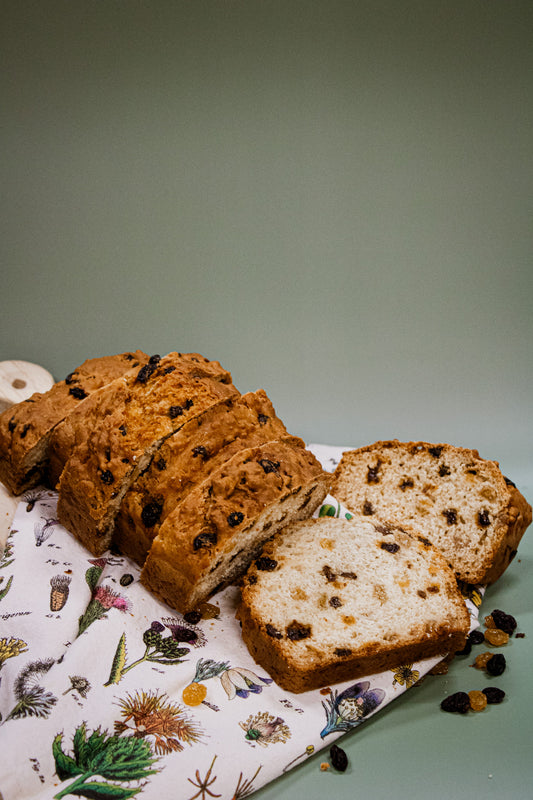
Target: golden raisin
[481, 660]
[194, 694]
[478, 700]
[496, 637]
[489, 622]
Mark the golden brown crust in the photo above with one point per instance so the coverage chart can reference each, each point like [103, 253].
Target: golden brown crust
[126, 426]
[229, 516]
[25, 429]
[187, 458]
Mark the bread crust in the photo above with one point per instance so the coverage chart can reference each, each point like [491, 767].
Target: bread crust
[228, 517]
[26, 428]
[492, 548]
[127, 425]
[302, 665]
[187, 458]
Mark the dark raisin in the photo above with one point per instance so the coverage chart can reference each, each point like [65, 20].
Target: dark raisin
[235, 518]
[268, 465]
[107, 476]
[154, 360]
[335, 602]
[175, 411]
[509, 482]
[205, 539]
[372, 474]
[77, 392]
[328, 573]
[467, 649]
[505, 622]
[70, 378]
[266, 564]
[424, 541]
[406, 484]
[126, 579]
[477, 636]
[459, 702]
[200, 450]
[123, 430]
[342, 652]
[435, 451]
[368, 508]
[11, 425]
[168, 370]
[24, 430]
[386, 529]
[273, 632]
[296, 631]
[151, 514]
[145, 372]
[483, 518]
[493, 694]
[262, 419]
[390, 547]
[161, 464]
[339, 759]
[192, 617]
[496, 664]
[350, 575]
[444, 470]
[451, 516]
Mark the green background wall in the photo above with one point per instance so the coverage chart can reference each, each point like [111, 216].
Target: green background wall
[333, 199]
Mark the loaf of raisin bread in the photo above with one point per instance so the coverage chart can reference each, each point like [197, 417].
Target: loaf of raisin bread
[185, 459]
[26, 428]
[461, 502]
[210, 538]
[124, 430]
[74, 430]
[330, 600]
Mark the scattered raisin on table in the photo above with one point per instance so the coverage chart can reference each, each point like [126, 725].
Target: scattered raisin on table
[496, 637]
[478, 700]
[505, 622]
[496, 664]
[339, 759]
[493, 694]
[476, 636]
[458, 702]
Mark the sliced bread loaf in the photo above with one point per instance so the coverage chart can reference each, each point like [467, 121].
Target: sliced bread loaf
[330, 600]
[459, 501]
[124, 429]
[26, 428]
[211, 537]
[73, 430]
[185, 459]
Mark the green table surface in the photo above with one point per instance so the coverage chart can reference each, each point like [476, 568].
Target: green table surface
[414, 750]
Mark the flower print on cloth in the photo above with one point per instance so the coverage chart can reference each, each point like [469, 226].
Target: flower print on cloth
[9, 648]
[157, 649]
[32, 699]
[101, 764]
[405, 675]
[103, 599]
[152, 714]
[236, 681]
[348, 709]
[265, 729]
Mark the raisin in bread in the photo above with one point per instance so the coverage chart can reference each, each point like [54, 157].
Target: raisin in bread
[185, 459]
[73, 430]
[459, 501]
[126, 427]
[210, 538]
[330, 600]
[26, 428]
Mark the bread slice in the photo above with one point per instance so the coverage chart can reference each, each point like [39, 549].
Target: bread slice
[26, 428]
[124, 430]
[211, 537]
[331, 600]
[74, 430]
[185, 459]
[459, 501]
